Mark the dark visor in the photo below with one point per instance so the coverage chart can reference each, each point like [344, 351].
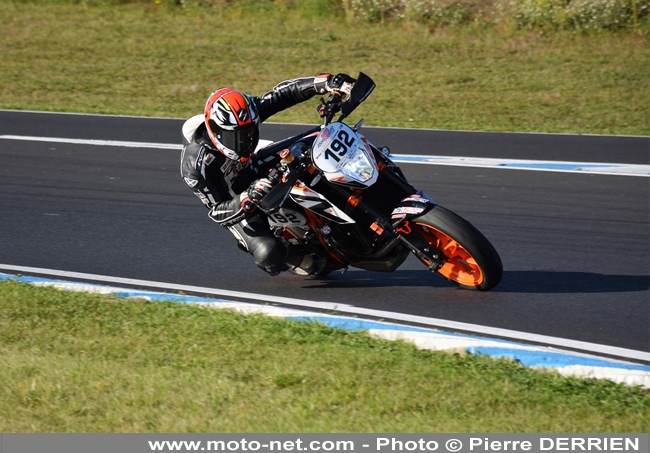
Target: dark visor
[242, 141]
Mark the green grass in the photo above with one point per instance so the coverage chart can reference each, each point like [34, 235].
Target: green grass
[160, 60]
[79, 363]
[74, 362]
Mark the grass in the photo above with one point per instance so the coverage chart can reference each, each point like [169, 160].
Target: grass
[74, 362]
[79, 363]
[160, 60]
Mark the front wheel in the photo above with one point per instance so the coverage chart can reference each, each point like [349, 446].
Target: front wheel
[470, 260]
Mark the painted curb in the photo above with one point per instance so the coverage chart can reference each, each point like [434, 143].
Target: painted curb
[564, 362]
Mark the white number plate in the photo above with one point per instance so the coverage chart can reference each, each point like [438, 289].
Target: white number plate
[288, 217]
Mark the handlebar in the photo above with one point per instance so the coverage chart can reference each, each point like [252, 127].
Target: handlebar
[330, 107]
[283, 176]
[335, 97]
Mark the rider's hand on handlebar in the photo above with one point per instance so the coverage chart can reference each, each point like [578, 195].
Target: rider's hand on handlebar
[258, 189]
[340, 83]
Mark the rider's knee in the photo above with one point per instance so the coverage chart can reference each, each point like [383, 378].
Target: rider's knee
[270, 255]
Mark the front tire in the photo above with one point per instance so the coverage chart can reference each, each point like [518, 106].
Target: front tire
[470, 259]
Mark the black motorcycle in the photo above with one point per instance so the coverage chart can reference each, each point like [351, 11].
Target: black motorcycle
[345, 202]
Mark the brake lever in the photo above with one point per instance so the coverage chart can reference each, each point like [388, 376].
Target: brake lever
[331, 107]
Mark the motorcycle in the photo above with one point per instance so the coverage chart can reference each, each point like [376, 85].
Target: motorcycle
[346, 203]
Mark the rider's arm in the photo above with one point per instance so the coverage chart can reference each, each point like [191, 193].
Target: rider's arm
[201, 171]
[291, 92]
[227, 213]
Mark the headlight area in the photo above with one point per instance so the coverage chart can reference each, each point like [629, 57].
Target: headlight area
[359, 166]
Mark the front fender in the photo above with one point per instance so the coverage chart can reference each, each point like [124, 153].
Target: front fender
[410, 207]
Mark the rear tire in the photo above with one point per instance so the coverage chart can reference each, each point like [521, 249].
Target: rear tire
[471, 260]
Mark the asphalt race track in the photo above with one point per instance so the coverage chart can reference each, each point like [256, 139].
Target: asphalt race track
[575, 247]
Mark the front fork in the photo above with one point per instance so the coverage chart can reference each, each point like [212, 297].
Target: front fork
[403, 226]
[402, 218]
[425, 252]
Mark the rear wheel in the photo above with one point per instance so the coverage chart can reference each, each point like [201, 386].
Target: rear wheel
[470, 260]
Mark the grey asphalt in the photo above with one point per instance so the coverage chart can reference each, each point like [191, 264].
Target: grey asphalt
[575, 248]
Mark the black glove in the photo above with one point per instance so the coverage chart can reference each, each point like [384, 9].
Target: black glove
[341, 83]
[258, 189]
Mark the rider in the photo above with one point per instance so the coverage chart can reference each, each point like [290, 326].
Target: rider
[220, 165]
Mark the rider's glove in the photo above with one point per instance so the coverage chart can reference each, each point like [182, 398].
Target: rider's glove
[246, 203]
[339, 83]
[258, 189]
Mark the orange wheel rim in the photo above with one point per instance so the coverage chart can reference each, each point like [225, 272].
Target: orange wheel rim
[460, 267]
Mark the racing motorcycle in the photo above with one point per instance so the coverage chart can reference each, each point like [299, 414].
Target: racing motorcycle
[344, 201]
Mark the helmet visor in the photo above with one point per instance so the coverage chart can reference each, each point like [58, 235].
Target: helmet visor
[242, 141]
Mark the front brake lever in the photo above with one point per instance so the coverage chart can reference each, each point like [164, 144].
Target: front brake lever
[331, 107]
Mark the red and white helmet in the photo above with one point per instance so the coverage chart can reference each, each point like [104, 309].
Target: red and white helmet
[233, 122]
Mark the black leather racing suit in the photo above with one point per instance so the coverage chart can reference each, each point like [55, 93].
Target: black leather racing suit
[220, 182]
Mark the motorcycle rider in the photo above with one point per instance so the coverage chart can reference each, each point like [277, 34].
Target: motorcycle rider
[220, 164]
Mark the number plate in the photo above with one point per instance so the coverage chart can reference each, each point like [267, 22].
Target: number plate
[333, 146]
[288, 217]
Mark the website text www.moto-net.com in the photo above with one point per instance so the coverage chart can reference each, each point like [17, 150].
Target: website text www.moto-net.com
[253, 445]
[464, 443]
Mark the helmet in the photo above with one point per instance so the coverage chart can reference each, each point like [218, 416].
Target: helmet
[232, 122]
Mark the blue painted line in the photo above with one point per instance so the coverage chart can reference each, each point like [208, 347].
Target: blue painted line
[577, 167]
[398, 157]
[162, 297]
[551, 166]
[518, 164]
[168, 297]
[361, 325]
[551, 359]
[356, 324]
[526, 354]
[500, 162]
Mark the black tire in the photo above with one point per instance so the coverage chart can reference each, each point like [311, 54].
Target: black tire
[482, 273]
[328, 268]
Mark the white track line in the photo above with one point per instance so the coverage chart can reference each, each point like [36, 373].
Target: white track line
[599, 168]
[81, 141]
[350, 309]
